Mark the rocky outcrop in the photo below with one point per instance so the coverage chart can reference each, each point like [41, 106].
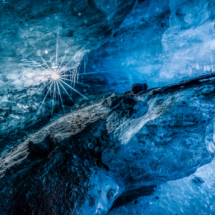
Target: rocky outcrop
[84, 161]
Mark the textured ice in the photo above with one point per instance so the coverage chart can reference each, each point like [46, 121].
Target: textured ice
[105, 189]
[37, 37]
[161, 42]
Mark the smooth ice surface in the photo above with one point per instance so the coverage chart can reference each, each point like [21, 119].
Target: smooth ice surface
[191, 195]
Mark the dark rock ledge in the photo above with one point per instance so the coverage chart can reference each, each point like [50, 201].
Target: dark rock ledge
[85, 161]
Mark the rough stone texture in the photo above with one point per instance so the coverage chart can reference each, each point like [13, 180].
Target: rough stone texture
[111, 101]
[97, 154]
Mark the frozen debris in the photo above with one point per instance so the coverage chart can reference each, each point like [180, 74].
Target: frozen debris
[137, 88]
[197, 180]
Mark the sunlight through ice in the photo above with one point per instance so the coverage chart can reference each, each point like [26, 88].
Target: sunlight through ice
[55, 76]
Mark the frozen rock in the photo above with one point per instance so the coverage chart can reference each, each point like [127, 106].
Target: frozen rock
[39, 144]
[137, 88]
[111, 101]
[147, 140]
[198, 180]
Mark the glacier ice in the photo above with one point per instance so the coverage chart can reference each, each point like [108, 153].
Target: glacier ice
[160, 42]
[163, 138]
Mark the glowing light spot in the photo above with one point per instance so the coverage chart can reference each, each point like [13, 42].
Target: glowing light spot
[55, 76]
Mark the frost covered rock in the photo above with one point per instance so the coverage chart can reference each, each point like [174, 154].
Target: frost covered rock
[164, 134]
[165, 131]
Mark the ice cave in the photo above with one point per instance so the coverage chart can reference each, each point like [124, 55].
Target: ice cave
[107, 107]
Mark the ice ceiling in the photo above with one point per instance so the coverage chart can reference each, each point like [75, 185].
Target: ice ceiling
[162, 42]
[40, 36]
[119, 42]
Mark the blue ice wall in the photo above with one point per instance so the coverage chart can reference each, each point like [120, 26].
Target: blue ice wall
[160, 42]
